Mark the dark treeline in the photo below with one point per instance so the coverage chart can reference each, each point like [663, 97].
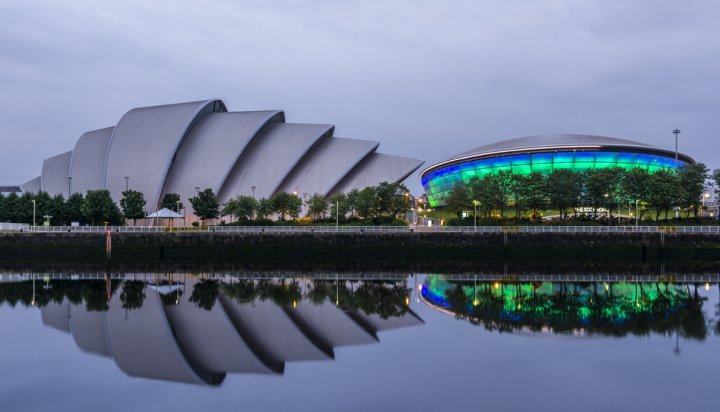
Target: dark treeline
[565, 190]
[381, 204]
[591, 307]
[383, 298]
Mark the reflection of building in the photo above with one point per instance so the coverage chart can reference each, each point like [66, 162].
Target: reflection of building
[544, 154]
[186, 343]
[177, 148]
[604, 308]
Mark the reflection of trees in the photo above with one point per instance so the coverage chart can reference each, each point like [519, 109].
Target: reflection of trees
[606, 309]
[386, 299]
[283, 291]
[133, 294]
[92, 292]
[205, 294]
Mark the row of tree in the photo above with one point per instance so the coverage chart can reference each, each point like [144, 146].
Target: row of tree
[97, 206]
[565, 190]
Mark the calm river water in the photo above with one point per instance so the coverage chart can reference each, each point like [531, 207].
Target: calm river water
[342, 342]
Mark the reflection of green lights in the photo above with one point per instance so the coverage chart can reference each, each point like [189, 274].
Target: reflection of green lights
[439, 182]
[564, 306]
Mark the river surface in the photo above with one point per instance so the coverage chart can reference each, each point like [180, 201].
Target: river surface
[424, 342]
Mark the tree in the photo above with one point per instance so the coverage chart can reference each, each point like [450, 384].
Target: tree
[692, 179]
[242, 207]
[352, 199]
[664, 191]
[537, 197]
[636, 188]
[603, 186]
[265, 208]
[488, 192]
[99, 207]
[132, 295]
[564, 188]
[133, 205]
[43, 204]
[74, 209]
[520, 189]
[205, 205]
[170, 201]
[3, 208]
[716, 182]
[458, 199]
[286, 204]
[365, 203]
[391, 198]
[339, 205]
[58, 209]
[294, 206]
[317, 205]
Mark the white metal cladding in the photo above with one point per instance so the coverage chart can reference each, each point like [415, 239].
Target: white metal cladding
[270, 158]
[145, 142]
[377, 168]
[211, 150]
[326, 164]
[32, 185]
[143, 344]
[87, 166]
[55, 172]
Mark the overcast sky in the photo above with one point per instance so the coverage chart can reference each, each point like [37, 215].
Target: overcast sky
[428, 79]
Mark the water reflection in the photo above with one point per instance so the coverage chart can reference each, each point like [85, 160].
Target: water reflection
[196, 329]
[620, 308]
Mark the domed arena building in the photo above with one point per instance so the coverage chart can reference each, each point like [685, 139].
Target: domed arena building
[186, 147]
[544, 154]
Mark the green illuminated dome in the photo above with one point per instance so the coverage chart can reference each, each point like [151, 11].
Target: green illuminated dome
[545, 153]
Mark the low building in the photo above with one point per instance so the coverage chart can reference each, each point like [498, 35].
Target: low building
[544, 154]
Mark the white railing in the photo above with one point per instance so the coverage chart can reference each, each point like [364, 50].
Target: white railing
[13, 227]
[377, 229]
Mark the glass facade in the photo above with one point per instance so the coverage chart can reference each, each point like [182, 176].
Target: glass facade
[439, 182]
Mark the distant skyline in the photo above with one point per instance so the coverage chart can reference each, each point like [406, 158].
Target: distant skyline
[426, 79]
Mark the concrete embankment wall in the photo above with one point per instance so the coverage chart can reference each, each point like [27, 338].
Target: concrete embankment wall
[346, 250]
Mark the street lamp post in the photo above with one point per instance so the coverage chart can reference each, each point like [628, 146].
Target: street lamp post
[69, 186]
[33, 212]
[475, 203]
[705, 196]
[676, 132]
[127, 179]
[253, 190]
[607, 210]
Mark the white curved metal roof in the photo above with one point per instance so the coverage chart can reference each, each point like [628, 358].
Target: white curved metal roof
[55, 171]
[377, 168]
[213, 147]
[144, 145]
[87, 166]
[32, 185]
[552, 141]
[270, 158]
[326, 164]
